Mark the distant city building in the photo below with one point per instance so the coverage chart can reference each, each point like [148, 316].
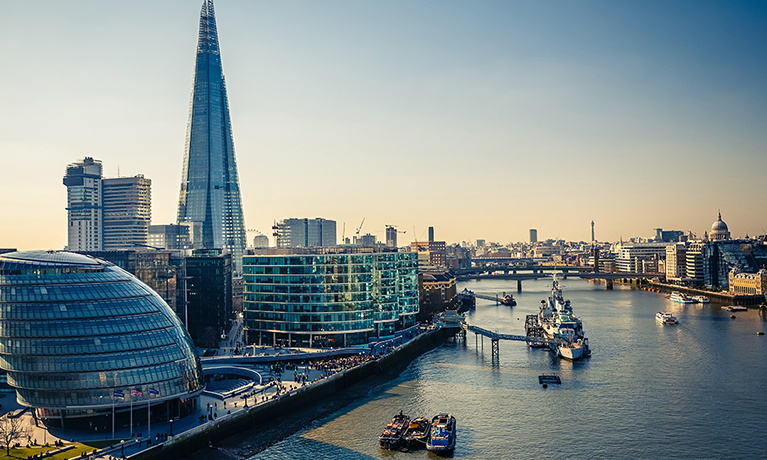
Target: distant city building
[748, 283]
[437, 292]
[533, 235]
[480, 243]
[430, 252]
[721, 256]
[209, 297]
[431, 234]
[319, 297]
[127, 212]
[83, 182]
[210, 189]
[171, 236]
[668, 236]
[368, 240]
[639, 257]
[261, 241]
[719, 230]
[302, 233]
[694, 266]
[676, 261]
[391, 236]
[77, 330]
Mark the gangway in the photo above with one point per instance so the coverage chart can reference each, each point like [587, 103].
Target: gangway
[506, 299]
[495, 337]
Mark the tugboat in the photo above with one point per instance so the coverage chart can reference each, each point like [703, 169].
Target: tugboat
[417, 433]
[391, 438]
[442, 435]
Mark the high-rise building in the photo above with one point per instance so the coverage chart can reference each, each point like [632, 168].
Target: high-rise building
[533, 235]
[298, 233]
[106, 214]
[431, 234]
[83, 181]
[210, 190]
[260, 241]
[391, 236]
[126, 212]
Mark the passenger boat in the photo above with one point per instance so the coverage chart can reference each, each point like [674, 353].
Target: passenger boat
[666, 318]
[442, 434]
[508, 299]
[417, 433]
[681, 298]
[700, 299]
[391, 438]
[734, 308]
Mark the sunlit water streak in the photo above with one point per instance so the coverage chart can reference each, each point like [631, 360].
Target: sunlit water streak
[649, 391]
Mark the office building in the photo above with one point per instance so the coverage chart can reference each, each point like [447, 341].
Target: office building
[533, 235]
[430, 252]
[640, 257]
[261, 241]
[84, 342]
[209, 295]
[667, 236]
[171, 236]
[210, 190]
[304, 233]
[431, 234]
[126, 212]
[105, 213]
[748, 283]
[83, 182]
[676, 261]
[391, 236]
[317, 297]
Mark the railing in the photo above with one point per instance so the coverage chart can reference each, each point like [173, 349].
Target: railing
[521, 338]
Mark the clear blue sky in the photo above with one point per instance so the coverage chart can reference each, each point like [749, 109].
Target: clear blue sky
[482, 119]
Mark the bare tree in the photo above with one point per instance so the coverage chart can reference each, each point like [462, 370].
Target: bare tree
[11, 430]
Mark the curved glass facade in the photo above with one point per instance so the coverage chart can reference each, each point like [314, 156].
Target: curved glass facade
[73, 330]
[308, 299]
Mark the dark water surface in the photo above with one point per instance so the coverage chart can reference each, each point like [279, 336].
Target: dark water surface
[697, 390]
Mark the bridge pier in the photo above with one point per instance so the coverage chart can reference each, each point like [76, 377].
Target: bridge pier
[519, 285]
[494, 353]
[609, 284]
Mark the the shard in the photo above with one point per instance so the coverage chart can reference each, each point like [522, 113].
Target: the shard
[210, 190]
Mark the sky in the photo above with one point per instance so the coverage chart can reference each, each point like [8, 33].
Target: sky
[483, 119]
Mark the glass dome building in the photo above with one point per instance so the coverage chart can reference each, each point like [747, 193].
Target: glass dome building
[83, 340]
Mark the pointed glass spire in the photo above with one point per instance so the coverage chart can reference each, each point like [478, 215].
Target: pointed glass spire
[210, 190]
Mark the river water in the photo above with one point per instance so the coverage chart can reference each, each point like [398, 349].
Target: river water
[697, 390]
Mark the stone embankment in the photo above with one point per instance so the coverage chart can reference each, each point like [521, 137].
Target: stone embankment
[714, 296]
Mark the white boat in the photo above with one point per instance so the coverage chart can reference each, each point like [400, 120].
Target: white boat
[734, 308]
[666, 318]
[681, 298]
[700, 299]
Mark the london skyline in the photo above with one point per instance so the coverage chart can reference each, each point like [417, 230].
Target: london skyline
[481, 120]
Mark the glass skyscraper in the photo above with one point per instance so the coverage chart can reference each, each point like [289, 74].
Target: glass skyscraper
[210, 190]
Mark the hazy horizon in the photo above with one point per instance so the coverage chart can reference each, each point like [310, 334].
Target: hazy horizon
[481, 119]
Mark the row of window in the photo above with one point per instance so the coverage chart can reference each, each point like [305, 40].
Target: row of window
[94, 362]
[104, 397]
[311, 327]
[92, 291]
[85, 345]
[64, 274]
[92, 327]
[88, 380]
[79, 310]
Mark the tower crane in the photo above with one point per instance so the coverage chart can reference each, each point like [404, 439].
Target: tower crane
[360, 227]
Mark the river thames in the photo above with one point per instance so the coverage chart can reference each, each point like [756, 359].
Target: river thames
[696, 390]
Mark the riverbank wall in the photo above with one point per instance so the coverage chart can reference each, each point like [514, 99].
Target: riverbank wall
[718, 297]
[186, 443]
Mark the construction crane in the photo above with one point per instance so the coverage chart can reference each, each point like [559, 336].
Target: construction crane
[343, 234]
[360, 227]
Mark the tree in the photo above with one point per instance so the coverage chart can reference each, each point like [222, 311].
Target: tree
[11, 430]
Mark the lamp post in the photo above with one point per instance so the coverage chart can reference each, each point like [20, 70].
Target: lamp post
[171, 427]
[122, 448]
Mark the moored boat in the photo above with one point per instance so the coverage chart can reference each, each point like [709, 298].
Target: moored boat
[391, 438]
[508, 299]
[558, 322]
[417, 433]
[666, 318]
[680, 297]
[442, 435]
[700, 299]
